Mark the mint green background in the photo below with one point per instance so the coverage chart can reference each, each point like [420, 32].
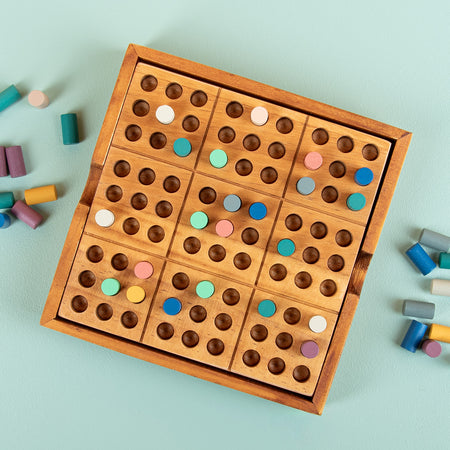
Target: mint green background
[387, 60]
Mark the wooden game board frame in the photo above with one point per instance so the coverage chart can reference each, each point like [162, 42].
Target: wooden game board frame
[399, 144]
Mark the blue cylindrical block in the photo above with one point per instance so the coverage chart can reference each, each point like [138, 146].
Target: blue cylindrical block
[69, 127]
[5, 220]
[420, 259]
[414, 336]
[9, 96]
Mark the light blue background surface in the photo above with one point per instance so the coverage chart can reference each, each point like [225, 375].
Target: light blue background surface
[386, 60]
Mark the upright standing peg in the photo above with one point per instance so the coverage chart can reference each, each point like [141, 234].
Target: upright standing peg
[38, 99]
[414, 336]
[40, 194]
[3, 165]
[413, 308]
[419, 257]
[26, 214]
[440, 287]
[16, 163]
[9, 96]
[435, 240]
[432, 348]
[69, 127]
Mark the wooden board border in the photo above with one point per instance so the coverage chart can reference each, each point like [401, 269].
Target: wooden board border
[399, 139]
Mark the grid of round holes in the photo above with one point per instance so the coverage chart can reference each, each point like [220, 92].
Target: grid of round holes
[251, 143]
[310, 255]
[139, 200]
[283, 340]
[216, 252]
[198, 314]
[337, 169]
[104, 311]
[173, 91]
[87, 279]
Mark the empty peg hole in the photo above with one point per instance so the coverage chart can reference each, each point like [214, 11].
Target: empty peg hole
[199, 98]
[122, 168]
[318, 230]
[278, 272]
[191, 123]
[149, 83]
[133, 133]
[226, 135]
[158, 140]
[276, 150]
[94, 253]
[147, 176]
[139, 201]
[141, 108]
[207, 195]
[155, 234]
[311, 255]
[79, 304]
[231, 296]
[303, 280]
[328, 288]
[104, 311]
[174, 91]
[131, 226]
[129, 319]
[192, 245]
[119, 261]
[171, 184]
[87, 279]
[320, 136]
[345, 144]
[114, 193]
[234, 110]
[163, 209]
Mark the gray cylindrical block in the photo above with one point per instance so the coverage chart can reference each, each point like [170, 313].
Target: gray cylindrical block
[435, 240]
[414, 308]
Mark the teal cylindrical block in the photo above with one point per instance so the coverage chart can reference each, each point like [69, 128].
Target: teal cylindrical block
[6, 200]
[69, 127]
[5, 220]
[444, 260]
[9, 96]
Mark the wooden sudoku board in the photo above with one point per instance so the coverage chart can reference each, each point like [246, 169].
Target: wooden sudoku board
[225, 229]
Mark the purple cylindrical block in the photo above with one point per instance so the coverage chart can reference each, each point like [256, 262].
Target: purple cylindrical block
[16, 164]
[26, 214]
[3, 165]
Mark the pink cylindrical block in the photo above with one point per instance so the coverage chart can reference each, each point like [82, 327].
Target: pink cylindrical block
[16, 164]
[3, 165]
[26, 214]
[432, 348]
